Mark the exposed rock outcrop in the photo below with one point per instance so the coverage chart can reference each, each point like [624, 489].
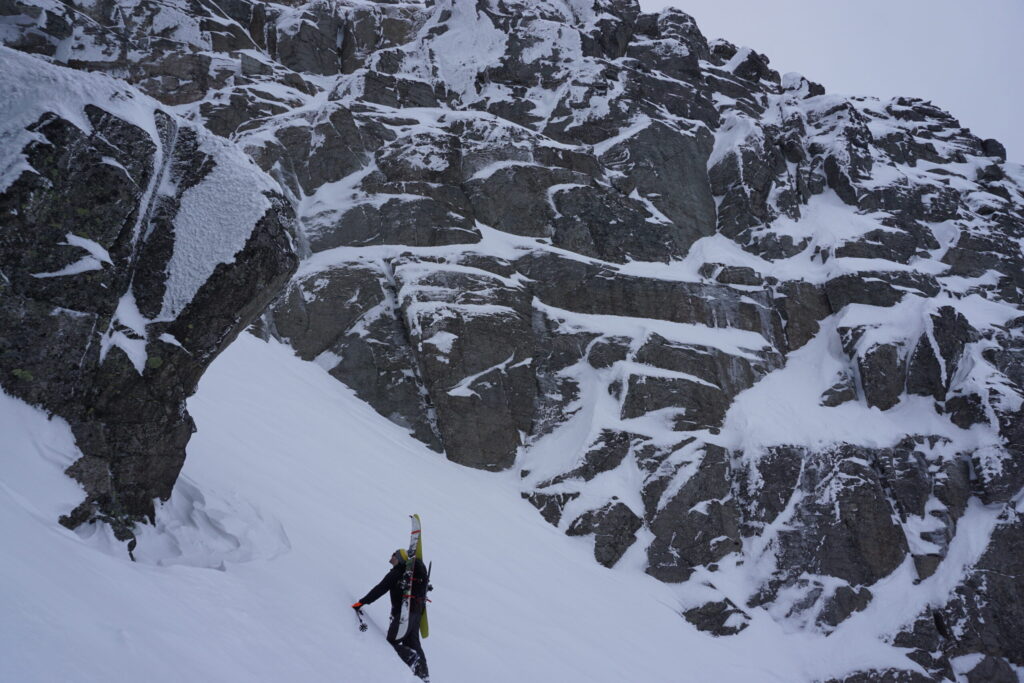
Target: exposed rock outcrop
[124, 273]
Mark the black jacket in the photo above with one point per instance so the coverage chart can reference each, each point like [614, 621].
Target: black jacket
[393, 582]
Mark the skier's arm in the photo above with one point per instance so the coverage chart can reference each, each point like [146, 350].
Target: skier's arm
[392, 577]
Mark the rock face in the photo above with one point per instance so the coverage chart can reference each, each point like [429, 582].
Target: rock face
[724, 323]
[124, 273]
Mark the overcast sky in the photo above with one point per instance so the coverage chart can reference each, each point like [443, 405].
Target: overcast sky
[966, 56]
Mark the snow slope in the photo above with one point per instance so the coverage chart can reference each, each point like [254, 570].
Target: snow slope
[293, 497]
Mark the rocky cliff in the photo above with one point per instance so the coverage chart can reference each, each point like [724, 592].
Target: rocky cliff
[134, 246]
[738, 331]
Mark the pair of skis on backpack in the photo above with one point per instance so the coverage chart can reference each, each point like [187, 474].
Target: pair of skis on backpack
[414, 553]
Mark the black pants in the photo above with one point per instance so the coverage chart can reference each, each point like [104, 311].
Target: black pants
[409, 648]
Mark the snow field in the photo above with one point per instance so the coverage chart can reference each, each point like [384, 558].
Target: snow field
[293, 496]
[312, 485]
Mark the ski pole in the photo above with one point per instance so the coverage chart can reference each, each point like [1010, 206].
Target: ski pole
[362, 624]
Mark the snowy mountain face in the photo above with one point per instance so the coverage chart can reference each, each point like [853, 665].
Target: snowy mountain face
[762, 341]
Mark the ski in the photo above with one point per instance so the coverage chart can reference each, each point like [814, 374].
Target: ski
[424, 627]
[415, 547]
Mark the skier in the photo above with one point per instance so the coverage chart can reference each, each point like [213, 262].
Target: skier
[408, 648]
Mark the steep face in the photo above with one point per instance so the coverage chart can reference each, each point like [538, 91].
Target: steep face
[755, 337]
[134, 247]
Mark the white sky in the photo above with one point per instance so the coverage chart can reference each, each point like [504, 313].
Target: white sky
[966, 56]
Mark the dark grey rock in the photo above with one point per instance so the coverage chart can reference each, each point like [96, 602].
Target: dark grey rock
[550, 505]
[590, 288]
[935, 359]
[928, 639]
[671, 170]
[659, 467]
[721, 618]
[130, 425]
[731, 275]
[730, 373]
[880, 366]
[985, 608]
[767, 490]
[884, 676]
[881, 377]
[992, 670]
[877, 288]
[699, 525]
[412, 221]
[890, 245]
[755, 68]
[601, 223]
[514, 199]
[842, 530]
[966, 410]
[699, 406]
[605, 454]
[975, 254]
[482, 387]
[307, 155]
[994, 148]
[666, 57]
[842, 603]
[376, 27]
[926, 565]
[709, 379]
[614, 527]
[998, 473]
[802, 306]
[345, 318]
[176, 78]
[558, 391]
[842, 391]
[953, 486]
[605, 352]
[905, 473]
[308, 45]
[745, 180]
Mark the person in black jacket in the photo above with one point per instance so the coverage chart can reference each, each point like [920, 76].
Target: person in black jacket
[408, 648]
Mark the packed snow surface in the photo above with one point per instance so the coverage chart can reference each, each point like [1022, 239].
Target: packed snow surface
[293, 497]
[231, 200]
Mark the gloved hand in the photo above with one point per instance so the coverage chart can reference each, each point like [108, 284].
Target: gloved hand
[357, 605]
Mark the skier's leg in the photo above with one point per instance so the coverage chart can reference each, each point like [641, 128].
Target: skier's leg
[409, 655]
[393, 630]
[412, 657]
[412, 641]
